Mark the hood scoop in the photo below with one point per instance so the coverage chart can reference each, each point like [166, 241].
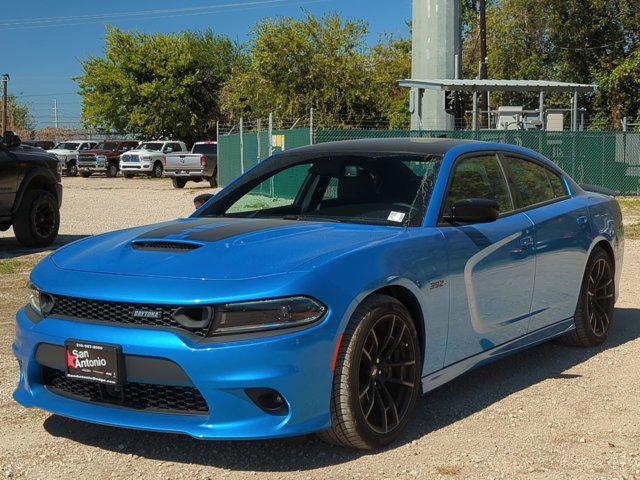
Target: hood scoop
[164, 246]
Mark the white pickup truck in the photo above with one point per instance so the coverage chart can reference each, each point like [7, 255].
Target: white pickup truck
[67, 153]
[201, 164]
[148, 158]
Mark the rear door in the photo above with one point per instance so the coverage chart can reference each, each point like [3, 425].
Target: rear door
[491, 265]
[561, 236]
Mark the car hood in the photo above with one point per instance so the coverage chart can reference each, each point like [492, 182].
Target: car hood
[216, 248]
[148, 152]
[60, 151]
[100, 152]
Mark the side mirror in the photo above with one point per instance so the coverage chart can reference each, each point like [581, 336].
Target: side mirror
[475, 210]
[202, 199]
[10, 139]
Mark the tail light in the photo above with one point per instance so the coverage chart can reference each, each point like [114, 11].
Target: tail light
[203, 161]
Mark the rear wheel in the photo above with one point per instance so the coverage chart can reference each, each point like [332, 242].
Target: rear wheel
[112, 170]
[594, 312]
[178, 182]
[72, 169]
[377, 376]
[37, 219]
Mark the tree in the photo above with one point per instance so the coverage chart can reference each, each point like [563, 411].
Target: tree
[158, 85]
[324, 63]
[19, 116]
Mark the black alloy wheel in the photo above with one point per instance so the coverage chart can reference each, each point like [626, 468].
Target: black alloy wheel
[37, 219]
[376, 376]
[72, 169]
[594, 313]
[112, 170]
[600, 294]
[387, 374]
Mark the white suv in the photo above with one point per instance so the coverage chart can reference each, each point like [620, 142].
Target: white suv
[148, 158]
[67, 153]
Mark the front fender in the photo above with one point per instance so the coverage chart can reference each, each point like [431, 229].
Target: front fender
[39, 174]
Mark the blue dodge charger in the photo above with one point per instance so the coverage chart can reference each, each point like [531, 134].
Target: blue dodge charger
[322, 291]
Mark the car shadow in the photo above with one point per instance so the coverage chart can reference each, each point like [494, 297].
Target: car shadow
[449, 404]
[10, 248]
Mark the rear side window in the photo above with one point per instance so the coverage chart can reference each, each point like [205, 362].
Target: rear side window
[206, 148]
[534, 183]
[479, 177]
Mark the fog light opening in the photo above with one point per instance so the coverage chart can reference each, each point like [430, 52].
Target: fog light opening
[269, 400]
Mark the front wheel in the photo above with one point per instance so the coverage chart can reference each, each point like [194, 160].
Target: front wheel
[377, 376]
[157, 170]
[112, 170]
[594, 312]
[72, 169]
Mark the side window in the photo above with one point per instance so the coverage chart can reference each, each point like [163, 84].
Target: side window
[479, 177]
[534, 183]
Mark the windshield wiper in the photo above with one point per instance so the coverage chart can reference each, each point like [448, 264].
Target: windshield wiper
[311, 218]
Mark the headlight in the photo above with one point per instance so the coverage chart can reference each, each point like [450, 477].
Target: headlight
[266, 315]
[41, 302]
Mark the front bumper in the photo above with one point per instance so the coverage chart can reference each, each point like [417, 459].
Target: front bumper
[297, 365]
[136, 168]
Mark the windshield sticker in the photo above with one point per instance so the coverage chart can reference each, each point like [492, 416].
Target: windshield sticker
[397, 217]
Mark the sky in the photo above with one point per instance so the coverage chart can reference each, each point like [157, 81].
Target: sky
[43, 42]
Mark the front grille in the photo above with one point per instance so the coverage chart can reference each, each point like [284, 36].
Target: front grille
[130, 158]
[121, 313]
[139, 396]
[87, 157]
[165, 246]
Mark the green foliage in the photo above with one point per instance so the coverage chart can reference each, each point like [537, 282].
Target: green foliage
[20, 118]
[157, 85]
[322, 63]
[9, 266]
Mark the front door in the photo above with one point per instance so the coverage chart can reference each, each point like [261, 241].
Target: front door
[8, 181]
[491, 265]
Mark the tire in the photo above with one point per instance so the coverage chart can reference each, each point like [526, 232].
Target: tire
[37, 219]
[128, 175]
[72, 169]
[85, 174]
[594, 312]
[178, 182]
[213, 182]
[362, 389]
[157, 170]
[112, 170]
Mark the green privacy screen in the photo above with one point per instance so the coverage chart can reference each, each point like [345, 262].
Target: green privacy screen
[607, 159]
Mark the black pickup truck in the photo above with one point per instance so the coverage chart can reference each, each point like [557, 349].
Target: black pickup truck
[30, 192]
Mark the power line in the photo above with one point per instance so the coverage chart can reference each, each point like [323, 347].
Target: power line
[149, 14]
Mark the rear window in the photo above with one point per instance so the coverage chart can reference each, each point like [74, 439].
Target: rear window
[206, 148]
[534, 183]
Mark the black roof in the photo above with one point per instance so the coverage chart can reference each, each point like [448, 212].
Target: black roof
[429, 146]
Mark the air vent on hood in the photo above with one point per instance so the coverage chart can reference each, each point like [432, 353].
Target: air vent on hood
[164, 246]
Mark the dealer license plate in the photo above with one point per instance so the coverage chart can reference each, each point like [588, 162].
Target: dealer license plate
[95, 362]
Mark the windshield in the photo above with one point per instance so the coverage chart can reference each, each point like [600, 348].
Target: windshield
[66, 146]
[111, 146]
[154, 147]
[382, 190]
[205, 148]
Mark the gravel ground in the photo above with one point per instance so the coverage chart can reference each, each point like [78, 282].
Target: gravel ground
[549, 412]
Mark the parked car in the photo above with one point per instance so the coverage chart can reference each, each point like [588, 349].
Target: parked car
[104, 157]
[322, 291]
[30, 192]
[148, 158]
[44, 144]
[67, 153]
[201, 164]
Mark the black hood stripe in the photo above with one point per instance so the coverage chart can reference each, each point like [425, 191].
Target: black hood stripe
[211, 230]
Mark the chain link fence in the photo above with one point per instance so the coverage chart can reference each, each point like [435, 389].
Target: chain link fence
[605, 158]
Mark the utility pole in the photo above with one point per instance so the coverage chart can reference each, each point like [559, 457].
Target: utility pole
[5, 102]
[55, 113]
[482, 70]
